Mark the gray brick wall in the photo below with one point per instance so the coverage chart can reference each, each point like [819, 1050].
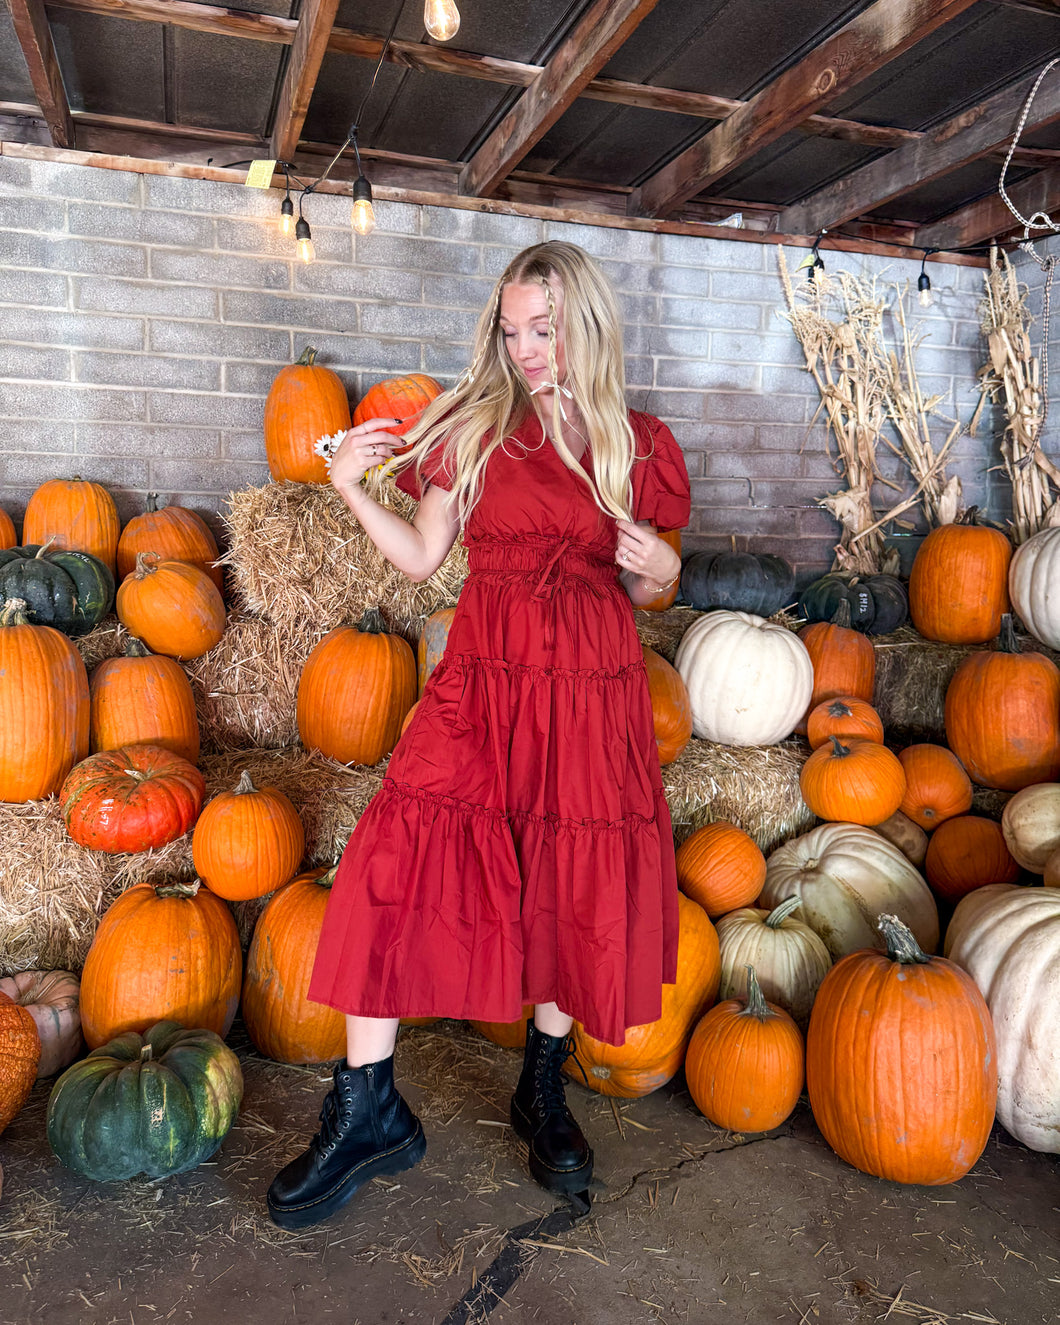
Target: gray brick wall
[143, 319]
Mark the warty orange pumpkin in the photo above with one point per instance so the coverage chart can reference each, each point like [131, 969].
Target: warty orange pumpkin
[19, 1056]
[135, 798]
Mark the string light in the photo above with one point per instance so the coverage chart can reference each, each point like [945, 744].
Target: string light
[441, 18]
[923, 284]
[304, 236]
[362, 217]
[287, 206]
[813, 261]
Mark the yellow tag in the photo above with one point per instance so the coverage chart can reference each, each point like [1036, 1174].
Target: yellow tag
[260, 174]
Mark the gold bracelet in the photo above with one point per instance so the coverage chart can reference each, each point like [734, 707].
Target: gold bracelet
[662, 587]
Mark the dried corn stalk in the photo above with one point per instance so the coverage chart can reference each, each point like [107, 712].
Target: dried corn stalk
[1012, 378]
[848, 362]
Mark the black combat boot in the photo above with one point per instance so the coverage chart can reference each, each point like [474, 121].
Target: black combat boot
[366, 1129]
[560, 1158]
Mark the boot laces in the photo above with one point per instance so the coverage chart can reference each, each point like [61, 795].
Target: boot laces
[334, 1121]
[550, 1079]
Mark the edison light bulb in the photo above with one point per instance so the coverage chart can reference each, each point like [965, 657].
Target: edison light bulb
[305, 240]
[362, 217]
[924, 295]
[441, 18]
[286, 216]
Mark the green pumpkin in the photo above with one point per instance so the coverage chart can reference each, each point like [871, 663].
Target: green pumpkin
[756, 582]
[878, 603]
[71, 591]
[153, 1104]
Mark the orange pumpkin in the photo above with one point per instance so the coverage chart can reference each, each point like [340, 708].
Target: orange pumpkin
[173, 533]
[248, 841]
[844, 716]
[135, 798]
[668, 597]
[508, 1034]
[44, 707]
[74, 514]
[281, 1021]
[305, 402]
[901, 1064]
[721, 868]
[965, 853]
[162, 951]
[958, 585]
[356, 688]
[671, 709]
[936, 785]
[844, 662]
[403, 398]
[861, 782]
[19, 1056]
[745, 1065]
[140, 697]
[1003, 715]
[430, 648]
[173, 606]
[7, 530]
[654, 1052]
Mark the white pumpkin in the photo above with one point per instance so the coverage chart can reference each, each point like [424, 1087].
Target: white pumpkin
[1034, 585]
[1030, 822]
[749, 681]
[847, 876]
[1008, 940]
[52, 999]
[790, 960]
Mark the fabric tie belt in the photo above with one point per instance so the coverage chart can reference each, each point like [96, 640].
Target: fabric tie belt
[549, 565]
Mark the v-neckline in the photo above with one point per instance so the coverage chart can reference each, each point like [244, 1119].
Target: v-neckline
[546, 440]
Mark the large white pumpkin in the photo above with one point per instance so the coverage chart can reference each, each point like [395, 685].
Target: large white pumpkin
[847, 876]
[749, 681]
[1034, 585]
[1008, 940]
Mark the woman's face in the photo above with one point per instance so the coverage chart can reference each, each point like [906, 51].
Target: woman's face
[524, 324]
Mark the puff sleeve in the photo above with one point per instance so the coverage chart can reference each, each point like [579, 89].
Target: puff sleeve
[661, 490]
[432, 471]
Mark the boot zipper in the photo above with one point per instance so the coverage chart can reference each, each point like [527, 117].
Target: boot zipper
[373, 1106]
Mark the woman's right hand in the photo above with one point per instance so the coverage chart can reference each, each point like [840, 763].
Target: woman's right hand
[362, 448]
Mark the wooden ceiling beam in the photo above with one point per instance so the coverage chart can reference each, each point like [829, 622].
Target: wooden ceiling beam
[315, 22]
[989, 217]
[588, 46]
[865, 44]
[213, 19]
[973, 133]
[35, 37]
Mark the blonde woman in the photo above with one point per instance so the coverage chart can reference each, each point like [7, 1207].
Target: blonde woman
[520, 848]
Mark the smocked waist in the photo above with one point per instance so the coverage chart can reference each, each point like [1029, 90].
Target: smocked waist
[556, 559]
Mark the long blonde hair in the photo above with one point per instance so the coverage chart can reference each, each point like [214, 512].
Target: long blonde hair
[492, 398]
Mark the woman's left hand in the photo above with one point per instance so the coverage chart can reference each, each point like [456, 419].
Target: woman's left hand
[642, 552]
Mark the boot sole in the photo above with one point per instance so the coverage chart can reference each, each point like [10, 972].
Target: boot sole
[386, 1163]
[563, 1182]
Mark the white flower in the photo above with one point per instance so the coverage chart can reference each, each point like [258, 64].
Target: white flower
[327, 446]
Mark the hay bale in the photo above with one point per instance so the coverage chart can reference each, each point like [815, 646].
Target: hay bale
[755, 787]
[53, 892]
[297, 555]
[912, 674]
[107, 640]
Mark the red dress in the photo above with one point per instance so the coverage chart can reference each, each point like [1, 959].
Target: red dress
[520, 848]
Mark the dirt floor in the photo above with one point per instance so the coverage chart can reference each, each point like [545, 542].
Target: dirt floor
[689, 1223]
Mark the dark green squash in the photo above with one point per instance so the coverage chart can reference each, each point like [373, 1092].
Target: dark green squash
[760, 583]
[878, 603]
[892, 603]
[71, 591]
[152, 1104]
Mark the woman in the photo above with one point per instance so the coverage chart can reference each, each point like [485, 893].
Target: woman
[520, 847]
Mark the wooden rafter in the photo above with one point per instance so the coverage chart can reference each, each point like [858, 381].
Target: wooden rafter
[989, 216]
[589, 45]
[307, 51]
[973, 133]
[35, 38]
[858, 49]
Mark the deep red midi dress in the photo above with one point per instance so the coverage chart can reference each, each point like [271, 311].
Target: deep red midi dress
[520, 848]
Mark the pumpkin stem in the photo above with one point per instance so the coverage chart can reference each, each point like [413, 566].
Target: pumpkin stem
[14, 613]
[46, 546]
[245, 785]
[327, 879]
[756, 1002]
[901, 945]
[841, 616]
[146, 564]
[135, 774]
[838, 708]
[780, 913]
[839, 750]
[152, 502]
[372, 622]
[177, 888]
[307, 357]
[146, 1053]
[1006, 640]
[136, 648]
